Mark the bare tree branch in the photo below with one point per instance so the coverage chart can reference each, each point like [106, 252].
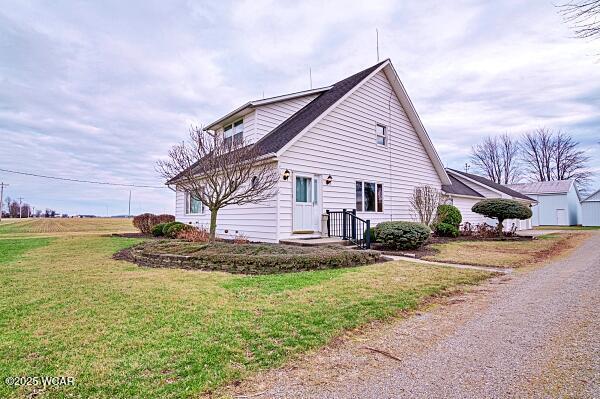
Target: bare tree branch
[583, 16]
[424, 203]
[219, 172]
[497, 158]
[549, 155]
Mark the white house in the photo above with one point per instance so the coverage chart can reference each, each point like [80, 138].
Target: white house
[557, 202]
[358, 144]
[467, 189]
[590, 210]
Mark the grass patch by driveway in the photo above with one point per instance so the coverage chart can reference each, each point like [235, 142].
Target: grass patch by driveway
[574, 228]
[69, 309]
[504, 253]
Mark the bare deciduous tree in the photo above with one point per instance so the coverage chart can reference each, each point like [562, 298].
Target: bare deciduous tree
[424, 203]
[219, 172]
[583, 16]
[497, 158]
[537, 151]
[549, 155]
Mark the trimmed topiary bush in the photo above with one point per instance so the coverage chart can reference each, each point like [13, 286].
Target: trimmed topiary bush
[448, 214]
[502, 209]
[402, 235]
[445, 230]
[157, 230]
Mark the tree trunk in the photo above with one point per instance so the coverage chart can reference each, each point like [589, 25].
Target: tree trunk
[213, 224]
[500, 226]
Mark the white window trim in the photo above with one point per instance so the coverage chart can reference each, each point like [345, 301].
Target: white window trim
[385, 135]
[232, 125]
[186, 204]
[363, 196]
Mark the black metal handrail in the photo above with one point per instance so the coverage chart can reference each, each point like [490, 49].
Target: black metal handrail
[346, 225]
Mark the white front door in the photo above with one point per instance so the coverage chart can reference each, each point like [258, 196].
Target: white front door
[307, 204]
[561, 217]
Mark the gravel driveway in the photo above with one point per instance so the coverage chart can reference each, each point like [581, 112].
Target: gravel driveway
[531, 334]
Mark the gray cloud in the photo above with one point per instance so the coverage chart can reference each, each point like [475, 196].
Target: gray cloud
[101, 90]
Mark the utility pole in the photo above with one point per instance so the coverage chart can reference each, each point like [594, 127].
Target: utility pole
[2, 185]
[20, 207]
[129, 208]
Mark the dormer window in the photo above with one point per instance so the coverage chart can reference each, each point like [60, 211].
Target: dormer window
[381, 132]
[234, 133]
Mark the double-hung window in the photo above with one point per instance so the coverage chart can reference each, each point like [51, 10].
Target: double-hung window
[234, 133]
[193, 206]
[369, 196]
[381, 133]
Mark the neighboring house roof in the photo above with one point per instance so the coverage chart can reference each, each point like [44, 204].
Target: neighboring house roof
[291, 127]
[594, 197]
[265, 101]
[459, 188]
[491, 184]
[542, 187]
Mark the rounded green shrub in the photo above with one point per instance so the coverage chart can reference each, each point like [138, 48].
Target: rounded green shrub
[402, 235]
[502, 209]
[448, 214]
[157, 230]
[166, 227]
[445, 230]
[175, 228]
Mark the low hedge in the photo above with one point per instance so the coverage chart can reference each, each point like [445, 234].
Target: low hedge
[248, 258]
[402, 235]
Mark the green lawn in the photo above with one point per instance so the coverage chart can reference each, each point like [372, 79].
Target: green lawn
[68, 309]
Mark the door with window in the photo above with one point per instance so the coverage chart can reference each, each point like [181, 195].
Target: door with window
[307, 204]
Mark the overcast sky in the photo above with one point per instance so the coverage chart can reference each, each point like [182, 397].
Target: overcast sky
[101, 90]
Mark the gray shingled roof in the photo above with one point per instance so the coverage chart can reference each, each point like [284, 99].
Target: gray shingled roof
[594, 197]
[277, 138]
[291, 127]
[542, 187]
[459, 188]
[494, 185]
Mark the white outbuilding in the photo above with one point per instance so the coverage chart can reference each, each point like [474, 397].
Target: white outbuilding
[590, 210]
[558, 202]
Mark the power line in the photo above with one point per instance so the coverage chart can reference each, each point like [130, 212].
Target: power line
[79, 180]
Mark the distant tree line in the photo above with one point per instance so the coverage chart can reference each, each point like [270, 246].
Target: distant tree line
[13, 209]
[539, 155]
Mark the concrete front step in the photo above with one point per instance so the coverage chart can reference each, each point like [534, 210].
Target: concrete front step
[315, 242]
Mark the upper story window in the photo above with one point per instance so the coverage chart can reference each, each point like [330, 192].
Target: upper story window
[193, 206]
[381, 133]
[234, 132]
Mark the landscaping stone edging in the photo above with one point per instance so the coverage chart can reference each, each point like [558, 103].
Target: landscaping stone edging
[253, 264]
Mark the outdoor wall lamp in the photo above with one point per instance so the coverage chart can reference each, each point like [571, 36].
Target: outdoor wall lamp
[328, 180]
[286, 174]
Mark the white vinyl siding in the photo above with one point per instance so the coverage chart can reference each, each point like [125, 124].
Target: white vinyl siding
[342, 145]
[256, 221]
[269, 116]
